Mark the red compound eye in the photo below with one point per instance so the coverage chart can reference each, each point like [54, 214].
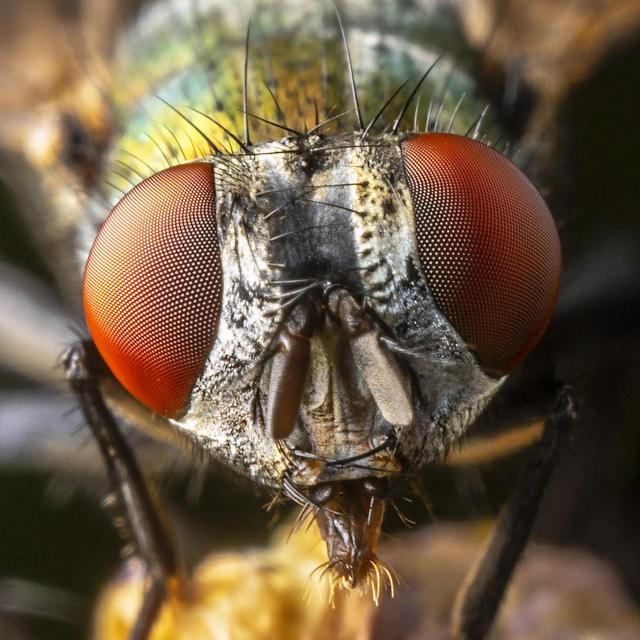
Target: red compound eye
[153, 286]
[487, 245]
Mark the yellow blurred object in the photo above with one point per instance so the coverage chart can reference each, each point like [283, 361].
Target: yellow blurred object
[256, 595]
[270, 594]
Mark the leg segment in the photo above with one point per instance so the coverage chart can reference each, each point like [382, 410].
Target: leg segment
[480, 597]
[143, 522]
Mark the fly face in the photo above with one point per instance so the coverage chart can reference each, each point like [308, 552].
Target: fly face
[324, 312]
[274, 304]
[328, 311]
[307, 258]
[331, 359]
[351, 291]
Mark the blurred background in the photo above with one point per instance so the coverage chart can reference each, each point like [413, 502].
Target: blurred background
[563, 80]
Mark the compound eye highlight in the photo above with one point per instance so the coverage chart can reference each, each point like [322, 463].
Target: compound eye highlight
[153, 286]
[487, 244]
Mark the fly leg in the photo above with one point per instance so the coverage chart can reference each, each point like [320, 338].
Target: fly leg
[142, 519]
[484, 587]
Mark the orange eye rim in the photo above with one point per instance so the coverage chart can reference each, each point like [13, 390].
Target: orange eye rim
[487, 243]
[152, 286]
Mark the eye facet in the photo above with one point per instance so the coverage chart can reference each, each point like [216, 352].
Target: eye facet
[153, 286]
[487, 245]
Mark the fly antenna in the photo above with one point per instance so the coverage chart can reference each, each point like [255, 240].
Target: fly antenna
[396, 124]
[247, 139]
[354, 90]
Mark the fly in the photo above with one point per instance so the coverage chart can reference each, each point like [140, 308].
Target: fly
[322, 295]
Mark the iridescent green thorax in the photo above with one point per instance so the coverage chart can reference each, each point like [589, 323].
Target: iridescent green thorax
[297, 76]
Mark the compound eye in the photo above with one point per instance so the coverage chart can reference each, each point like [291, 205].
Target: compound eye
[487, 245]
[153, 286]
